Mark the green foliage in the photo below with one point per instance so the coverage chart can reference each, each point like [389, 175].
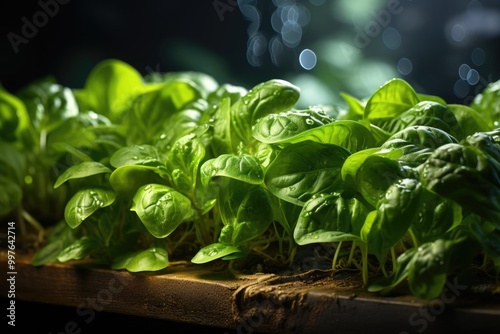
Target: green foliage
[136, 169]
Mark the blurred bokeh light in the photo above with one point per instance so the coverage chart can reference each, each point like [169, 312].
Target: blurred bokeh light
[447, 48]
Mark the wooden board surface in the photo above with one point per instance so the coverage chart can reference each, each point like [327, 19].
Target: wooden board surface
[311, 302]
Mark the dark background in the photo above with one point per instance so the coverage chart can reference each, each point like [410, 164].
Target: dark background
[154, 35]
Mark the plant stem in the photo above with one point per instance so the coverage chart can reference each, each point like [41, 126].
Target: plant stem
[337, 251]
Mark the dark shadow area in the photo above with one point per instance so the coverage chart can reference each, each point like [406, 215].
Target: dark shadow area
[34, 317]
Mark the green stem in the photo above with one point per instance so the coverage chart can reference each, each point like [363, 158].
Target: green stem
[33, 222]
[364, 256]
[335, 257]
[351, 254]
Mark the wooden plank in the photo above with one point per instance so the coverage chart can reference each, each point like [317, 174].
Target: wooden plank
[310, 302]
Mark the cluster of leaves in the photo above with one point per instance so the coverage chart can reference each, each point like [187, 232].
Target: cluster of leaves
[174, 163]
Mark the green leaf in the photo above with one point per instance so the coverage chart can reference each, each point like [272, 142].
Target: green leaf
[435, 217]
[12, 162]
[136, 155]
[399, 274]
[432, 263]
[487, 104]
[216, 251]
[222, 140]
[469, 119]
[356, 106]
[59, 236]
[128, 179]
[354, 162]
[254, 216]
[14, 119]
[391, 99]
[85, 202]
[284, 126]
[79, 249]
[153, 111]
[269, 97]
[417, 143]
[395, 212]
[375, 175]
[245, 211]
[83, 169]
[426, 113]
[488, 236]
[48, 104]
[161, 209]
[304, 169]
[351, 135]
[110, 88]
[183, 161]
[151, 259]
[10, 196]
[245, 168]
[466, 175]
[329, 218]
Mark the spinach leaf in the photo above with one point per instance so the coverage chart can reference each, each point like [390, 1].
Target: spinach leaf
[386, 225]
[151, 259]
[216, 251]
[426, 113]
[240, 167]
[85, 202]
[285, 126]
[487, 104]
[161, 209]
[390, 100]
[109, 89]
[330, 218]
[83, 169]
[48, 104]
[466, 175]
[417, 143]
[304, 169]
[270, 97]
